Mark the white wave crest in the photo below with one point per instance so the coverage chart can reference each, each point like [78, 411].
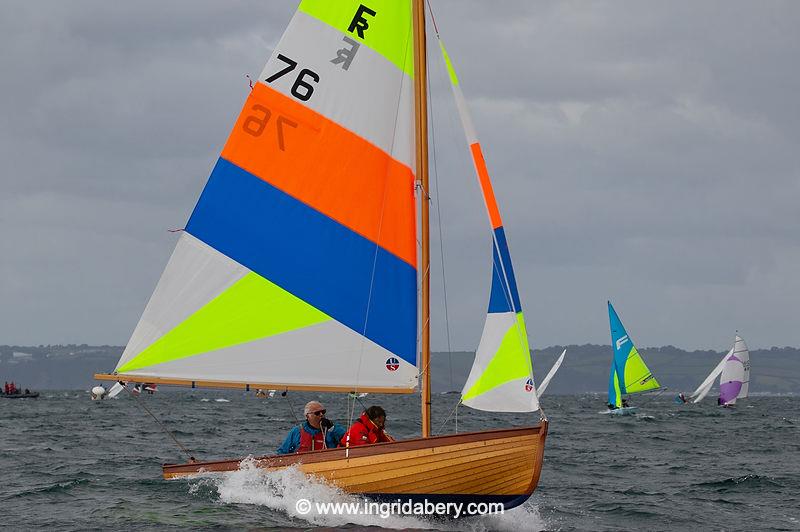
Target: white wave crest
[281, 490]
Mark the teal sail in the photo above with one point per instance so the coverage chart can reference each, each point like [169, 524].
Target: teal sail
[629, 374]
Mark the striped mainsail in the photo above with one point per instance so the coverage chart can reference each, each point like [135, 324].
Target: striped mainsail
[298, 265]
[501, 379]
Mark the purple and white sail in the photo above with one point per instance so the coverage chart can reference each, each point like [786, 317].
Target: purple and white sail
[706, 385]
[734, 383]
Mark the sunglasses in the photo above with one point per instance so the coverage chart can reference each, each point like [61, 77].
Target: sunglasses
[318, 413]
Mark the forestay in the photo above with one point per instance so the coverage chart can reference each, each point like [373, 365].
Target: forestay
[298, 265]
[501, 379]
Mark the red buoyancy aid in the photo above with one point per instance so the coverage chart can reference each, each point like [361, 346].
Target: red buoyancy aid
[364, 432]
[310, 442]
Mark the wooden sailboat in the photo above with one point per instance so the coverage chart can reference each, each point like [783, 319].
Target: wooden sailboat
[298, 267]
[629, 374]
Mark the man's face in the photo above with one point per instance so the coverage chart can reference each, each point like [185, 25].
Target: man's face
[315, 417]
[380, 422]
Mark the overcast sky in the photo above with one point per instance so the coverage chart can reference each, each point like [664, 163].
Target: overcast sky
[643, 151]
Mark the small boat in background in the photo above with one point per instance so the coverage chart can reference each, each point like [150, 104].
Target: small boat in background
[629, 374]
[28, 395]
[19, 395]
[10, 391]
[734, 376]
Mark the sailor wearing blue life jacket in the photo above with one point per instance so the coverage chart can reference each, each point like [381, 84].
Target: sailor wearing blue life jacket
[317, 432]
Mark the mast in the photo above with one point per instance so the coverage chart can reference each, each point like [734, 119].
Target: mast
[421, 135]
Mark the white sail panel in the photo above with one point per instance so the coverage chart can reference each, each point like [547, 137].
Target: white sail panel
[703, 391]
[743, 354]
[195, 274]
[378, 93]
[495, 373]
[325, 354]
[517, 395]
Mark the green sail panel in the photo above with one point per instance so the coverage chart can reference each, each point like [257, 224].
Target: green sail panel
[251, 309]
[617, 392]
[503, 384]
[383, 25]
[638, 377]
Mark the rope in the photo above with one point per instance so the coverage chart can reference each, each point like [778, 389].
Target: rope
[441, 236]
[664, 389]
[454, 410]
[164, 428]
[285, 393]
[362, 341]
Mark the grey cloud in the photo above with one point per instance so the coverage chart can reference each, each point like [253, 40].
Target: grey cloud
[640, 151]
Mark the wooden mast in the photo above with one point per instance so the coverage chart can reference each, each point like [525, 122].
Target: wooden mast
[421, 136]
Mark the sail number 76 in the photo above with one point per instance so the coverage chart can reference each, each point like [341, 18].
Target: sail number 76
[301, 89]
[257, 122]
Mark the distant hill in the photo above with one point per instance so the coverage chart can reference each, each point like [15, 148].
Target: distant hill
[585, 369]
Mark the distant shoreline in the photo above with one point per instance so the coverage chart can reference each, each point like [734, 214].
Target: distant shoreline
[775, 370]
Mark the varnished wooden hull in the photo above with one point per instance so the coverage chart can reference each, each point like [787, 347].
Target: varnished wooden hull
[489, 466]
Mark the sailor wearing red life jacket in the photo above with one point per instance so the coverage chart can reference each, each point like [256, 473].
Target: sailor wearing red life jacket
[316, 433]
[369, 428]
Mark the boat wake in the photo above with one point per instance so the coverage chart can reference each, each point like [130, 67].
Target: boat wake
[284, 490]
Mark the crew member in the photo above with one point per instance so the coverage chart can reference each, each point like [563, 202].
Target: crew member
[369, 428]
[315, 433]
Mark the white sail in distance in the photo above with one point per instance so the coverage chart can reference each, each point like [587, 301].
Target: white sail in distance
[543, 385]
[706, 385]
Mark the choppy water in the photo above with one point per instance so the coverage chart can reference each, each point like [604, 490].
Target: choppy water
[69, 463]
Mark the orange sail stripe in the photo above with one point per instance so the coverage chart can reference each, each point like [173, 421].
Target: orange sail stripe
[328, 167]
[486, 185]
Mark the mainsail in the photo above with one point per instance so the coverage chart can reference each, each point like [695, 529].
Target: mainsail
[629, 374]
[501, 379]
[298, 266]
[734, 383]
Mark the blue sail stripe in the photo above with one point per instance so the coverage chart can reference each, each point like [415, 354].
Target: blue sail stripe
[310, 255]
[622, 344]
[503, 293]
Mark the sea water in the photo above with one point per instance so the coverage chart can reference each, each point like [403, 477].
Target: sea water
[70, 463]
